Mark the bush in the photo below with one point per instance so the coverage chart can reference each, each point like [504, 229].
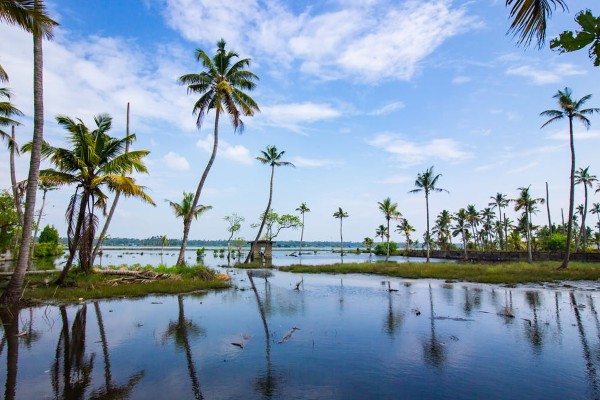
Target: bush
[555, 242]
[47, 250]
[381, 248]
[49, 235]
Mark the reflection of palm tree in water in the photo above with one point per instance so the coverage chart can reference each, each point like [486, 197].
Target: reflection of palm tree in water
[557, 313]
[393, 320]
[181, 330]
[433, 349]
[70, 349]
[10, 322]
[587, 354]
[533, 329]
[110, 390]
[265, 383]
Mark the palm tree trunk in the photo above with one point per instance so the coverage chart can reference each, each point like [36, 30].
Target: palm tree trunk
[37, 227]
[187, 220]
[505, 232]
[13, 177]
[548, 209]
[262, 224]
[583, 230]
[114, 204]
[341, 238]
[529, 255]
[427, 234]
[387, 255]
[301, 236]
[75, 243]
[12, 294]
[10, 321]
[565, 263]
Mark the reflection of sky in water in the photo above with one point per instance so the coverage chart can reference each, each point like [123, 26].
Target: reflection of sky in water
[356, 339]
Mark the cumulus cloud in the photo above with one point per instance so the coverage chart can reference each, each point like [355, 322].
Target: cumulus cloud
[545, 75]
[413, 153]
[292, 115]
[176, 162]
[237, 153]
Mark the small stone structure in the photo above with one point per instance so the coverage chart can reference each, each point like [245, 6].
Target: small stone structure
[262, 248]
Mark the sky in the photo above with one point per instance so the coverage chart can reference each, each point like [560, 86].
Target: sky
[361, 95]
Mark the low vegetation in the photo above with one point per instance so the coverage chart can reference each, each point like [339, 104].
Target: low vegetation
[520, 272]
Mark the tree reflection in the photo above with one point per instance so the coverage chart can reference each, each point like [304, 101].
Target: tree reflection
[181, 330]
[70, 358]
[533, 329]
[110, 390]
[434, 351]
[472, 300]
[587, 354]
[10, 322]
[393, 319]
[507, 313]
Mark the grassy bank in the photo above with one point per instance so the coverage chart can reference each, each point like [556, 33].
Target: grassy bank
[122, 283]
[521, 272]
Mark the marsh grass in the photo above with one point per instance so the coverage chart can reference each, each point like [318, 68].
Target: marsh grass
[79, 286]
[520, 272]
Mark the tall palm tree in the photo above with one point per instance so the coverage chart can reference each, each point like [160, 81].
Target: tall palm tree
[582, 176]
[31, 16]
[405, 228]
[527, 204]
[462, 228]
[499, 201]
[529, 19]
[389, 210]
[426, 182]
[186, 207]
[302, 210]
[341, 214]
[382, 232]
[270, 157]
[221, 86]
[95, 161]
[570, 109]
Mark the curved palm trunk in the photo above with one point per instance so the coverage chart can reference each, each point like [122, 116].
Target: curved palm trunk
[75, 243]
[187, 220]
[114, 204]
[548, 209]
[387, 254]
[12, 294]
[13, 178]
[427, 209]
[565, 263]
[262, 224]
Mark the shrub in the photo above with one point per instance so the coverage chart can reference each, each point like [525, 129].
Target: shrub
[381, 248]
[555, 242]
[49, 235]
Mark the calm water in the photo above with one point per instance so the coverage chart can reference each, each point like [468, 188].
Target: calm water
[355, 340]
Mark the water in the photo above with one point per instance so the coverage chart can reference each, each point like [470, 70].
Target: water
[356, 339]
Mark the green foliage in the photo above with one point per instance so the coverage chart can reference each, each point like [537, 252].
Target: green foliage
[42, 250]
[9, 221]
[275, 223]
[200, 252]
[49, 235]
[381, 248]
[588, 35]
[555, 242]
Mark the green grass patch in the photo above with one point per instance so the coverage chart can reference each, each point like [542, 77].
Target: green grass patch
[79, 286]
[520, 272]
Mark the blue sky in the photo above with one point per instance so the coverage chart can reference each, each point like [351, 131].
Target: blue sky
[362, 96]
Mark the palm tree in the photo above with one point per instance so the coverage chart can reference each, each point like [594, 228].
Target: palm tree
[221, 87]
[582, 176]
[7, 112]
[341, 214]
[382, 232]
[529, 19]
[271, 157]
[487, 228]
[389, 210]
[368, 242]
[163, 242]
[462, 228]
[499, 201]
[405, 228]
[570, 109]
[186, 208]
[302, 210]
[527, 204]
[94, 161]
[426, 182]
[596, 210]
[31, 16]
[473, 219]
[442, 229]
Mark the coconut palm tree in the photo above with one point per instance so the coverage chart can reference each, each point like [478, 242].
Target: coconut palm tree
[442, 230]
[582, 176]
[499, 201]
[473, 218]
[163, 242]
[368, 242]
[596, 210]
[30, 15]
[302, 210]
[529, 19]
[7, 114]
[95, 161]
[462, 228]
[270, 157]
[426, 182]
[221, 86]
[528, 205]
[381, 231]
[405, 228]
[186, 207]
[570, 109]
[341, 214]
[389, 210]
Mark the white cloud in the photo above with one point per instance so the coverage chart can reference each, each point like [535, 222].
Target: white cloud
[313, 162]
[292, 116]
[237, 153]
[459, 80]
[388, 108]
[176, 162]
[578, 134]
[413, 153]
[372, 41]
[542, 76]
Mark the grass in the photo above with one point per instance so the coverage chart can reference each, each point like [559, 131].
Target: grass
[519, 272]
[79, 286]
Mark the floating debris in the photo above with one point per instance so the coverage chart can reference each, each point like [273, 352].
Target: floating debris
[288, 335]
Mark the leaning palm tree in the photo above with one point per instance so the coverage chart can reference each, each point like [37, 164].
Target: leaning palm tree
[426, 182]
[570, 109]
[341, 214]
[529, 19]
[94, 161]
[389, 210]
[31, 16]
[221, 86]
[582, 176]
[499, 201]
[303, 209]
[186, 209]
[270, 157]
